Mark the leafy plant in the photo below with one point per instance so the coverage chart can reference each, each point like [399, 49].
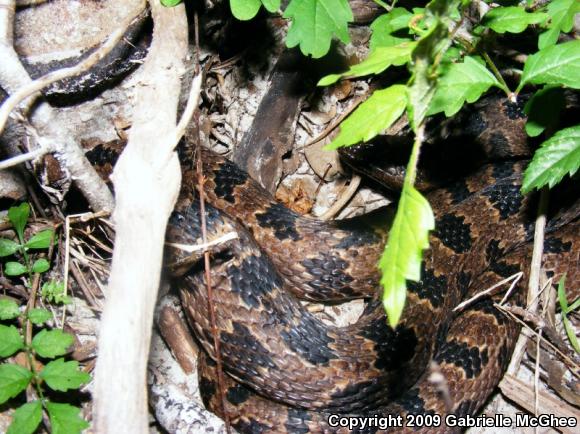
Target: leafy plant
[57, 375]
[18, 216]
[445, 73]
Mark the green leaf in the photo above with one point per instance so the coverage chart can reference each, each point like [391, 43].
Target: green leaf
[51, 343]
[53, 292]
[315, 22]
[65, 418]
[558, 155]
[8, 309]
[41, 240]
[558, 64]
[271, 5]
[245, 9]
[565, 311]
[10, 340]
[170, 3]
[384, 27]
[62, 376]
[543, 110]
[8, 247]
[38, 316]
[561, 14]
[14, 269]
[379, 60]
[512, 19]
[18, 215]
[26, 418]
[461, 82]
[40, 265]
[401, 260]
[13, 380]
[374, 115]
[423, 82]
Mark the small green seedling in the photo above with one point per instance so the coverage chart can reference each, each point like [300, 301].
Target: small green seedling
[18, 216]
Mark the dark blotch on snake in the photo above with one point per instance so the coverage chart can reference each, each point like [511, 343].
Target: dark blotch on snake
[470, 359]
[253, 279]
[506, 199]
[238, 394]
[281, 220]
[430, 286]
[454, 233]
[296, 421]
[227, 177]
[413, 403]
[394, 348]
[243, 338]
[309, 339]
[555, 245]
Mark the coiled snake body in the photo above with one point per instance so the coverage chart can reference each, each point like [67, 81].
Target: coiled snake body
[287, 371]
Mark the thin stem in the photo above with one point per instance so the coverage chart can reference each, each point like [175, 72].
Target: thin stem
[497, 74]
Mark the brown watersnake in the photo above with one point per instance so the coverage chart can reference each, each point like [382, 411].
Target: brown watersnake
[291, 370]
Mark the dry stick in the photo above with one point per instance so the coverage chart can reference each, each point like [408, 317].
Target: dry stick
[206, 254]
[146, 178]
[534, 280]
[345, 196]
[23, 158]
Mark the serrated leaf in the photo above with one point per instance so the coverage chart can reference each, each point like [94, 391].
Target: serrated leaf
[65, 418]
[8, 309]
[561, 14]
[62, 376]
[13, 380]
[378, 60]
[543, 110]
[40, 265]
[38, 316]
[401, 260]
[8, 247]
[14, 269]
[10, 340]
[557, 156]
[18, 216]
[245, 9]
[26, 418]
[374, 115]
[512, 19]
[41, 240]
[385, 27]
[51, 343]
[558, 64]
[315, 23]
[458, 83]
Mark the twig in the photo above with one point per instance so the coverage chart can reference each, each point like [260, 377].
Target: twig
[19, 159]
[534, 279]
[345, 197]
[190, 248]
[575, 369]
[192, 102]
[514, 279]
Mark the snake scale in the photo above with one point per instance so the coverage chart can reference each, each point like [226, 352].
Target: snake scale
[287, 371]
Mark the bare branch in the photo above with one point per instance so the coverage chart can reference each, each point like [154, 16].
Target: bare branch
[146, 178]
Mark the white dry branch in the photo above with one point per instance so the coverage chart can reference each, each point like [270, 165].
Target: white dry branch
[147, 178]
